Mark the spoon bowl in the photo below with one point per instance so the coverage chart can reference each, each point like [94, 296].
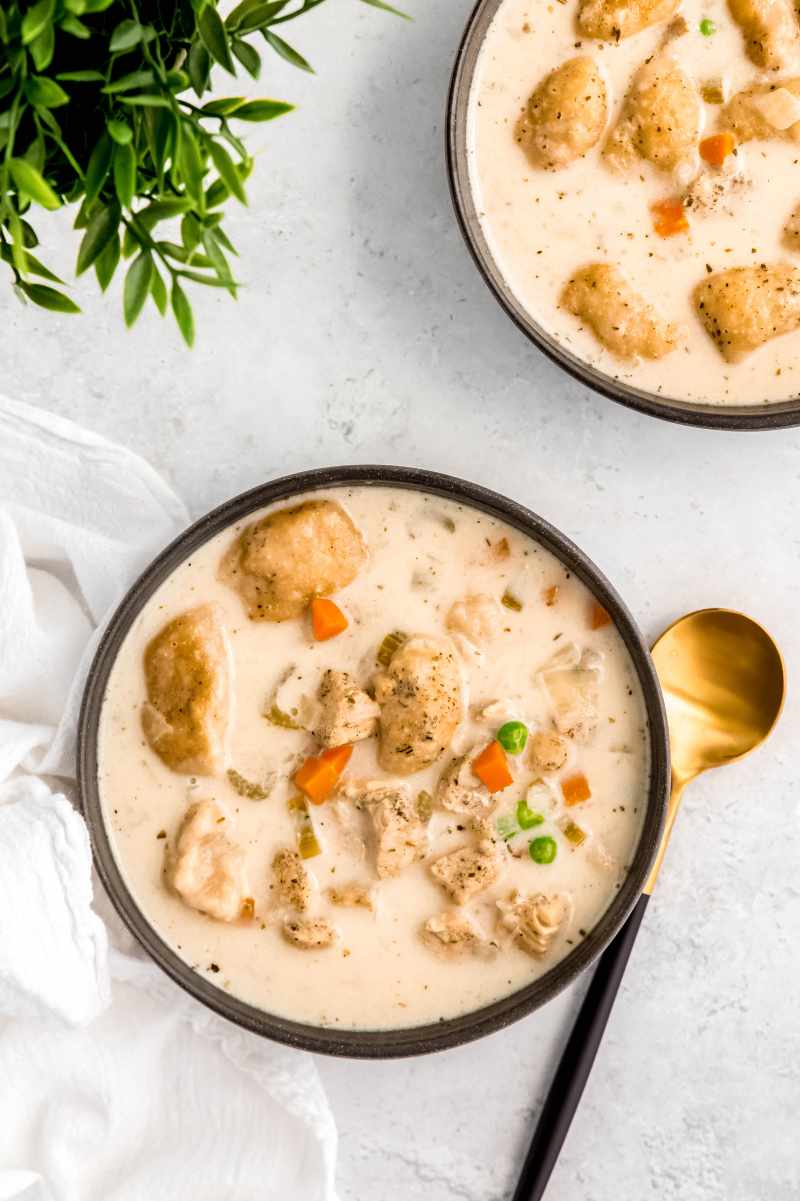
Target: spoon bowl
[723, 682]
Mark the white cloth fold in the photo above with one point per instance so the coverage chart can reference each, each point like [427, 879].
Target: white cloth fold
[150, 1096]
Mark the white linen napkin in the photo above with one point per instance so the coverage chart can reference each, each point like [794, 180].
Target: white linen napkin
[117, 1086]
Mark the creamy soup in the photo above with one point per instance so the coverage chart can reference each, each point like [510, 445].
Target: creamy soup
[388, 807]
[681, 165]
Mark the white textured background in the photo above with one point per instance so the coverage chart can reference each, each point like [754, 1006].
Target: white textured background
[365, 334]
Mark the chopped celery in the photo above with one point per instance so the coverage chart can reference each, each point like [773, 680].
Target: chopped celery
[528, 818]
[507, 826]
[424, 805]
[277, 717]
[307, 843]
[389, 645]
[245, 787]
[510, 601]
[572, 832]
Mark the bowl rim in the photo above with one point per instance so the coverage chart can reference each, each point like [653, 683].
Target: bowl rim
[764, 416]
[450, 1032]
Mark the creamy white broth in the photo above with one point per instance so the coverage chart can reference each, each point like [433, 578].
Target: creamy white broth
[541, 225]
[380, 975]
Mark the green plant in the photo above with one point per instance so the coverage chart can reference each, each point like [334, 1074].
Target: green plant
[101, 102]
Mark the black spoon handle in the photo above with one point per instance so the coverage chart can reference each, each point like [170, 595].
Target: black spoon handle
[576, 1062]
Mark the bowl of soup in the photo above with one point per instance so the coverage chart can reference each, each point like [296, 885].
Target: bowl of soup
[624, 176]
[374, 761]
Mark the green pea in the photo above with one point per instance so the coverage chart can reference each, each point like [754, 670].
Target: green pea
[527, 818]
[512, 737]
[707, 27]
[543, 850]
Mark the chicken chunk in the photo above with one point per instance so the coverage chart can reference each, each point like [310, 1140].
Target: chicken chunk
[346, 714]
[478, 617]
[661, 118]
[574, 695]
[293, 882]
[766, 111]
[601, 296]
[613, 20]
[352, 896]
[744, 307]
[534, 921]
[310, 933]
[565, 116]
[460, 790]
[187, 671]
[771, 32]
[422, 704]
[549, 751]
[206, 868]
[469, 870]
[400, 834]
[454, 934]
[791, 230]
[280, 563]
[716, 190]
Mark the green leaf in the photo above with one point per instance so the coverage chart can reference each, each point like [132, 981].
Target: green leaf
[158, 290]
[191, 233]
[36, 20]
[137, 286]
[224, 107]
[226, 169]
[145, 101]
[32, 183]
[177, 81]
[78, 7]
[106, 262]
[98, 169]
[3, 27]
[48, 298]
[102, 228]
[218, 260]
[160, 127]
[181, 255]
[135, 79]
[198, 65]
[262, 110]
[248, 56]
[288, 52]
[37, 268]
[387, 8]
[163, 210]
[215, 40]
[129, 34]
[29, 237]
[305, 7]
[253, 13]
[42, 49]
[190, 163]
[210, 281]
[80, 76]
[70, 24]
[35, 154]
[120, 131]
[183, 313]
[98, 6]
[45, 92]
[125, 173]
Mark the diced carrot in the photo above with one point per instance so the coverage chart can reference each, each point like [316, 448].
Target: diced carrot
[576, 789]
[598, 617]
[550, 595]
[327, 619]
[491, 767]
[319, 775]
[669, 218]
[717, 148]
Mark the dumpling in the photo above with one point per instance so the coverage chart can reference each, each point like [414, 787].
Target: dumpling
[772, 35]
[600, 295]
[420, 695]
[744, 307]
[280, 563]
[187, 670]
[765, 111]
[613, 20]
[565, 116]
[661, 118]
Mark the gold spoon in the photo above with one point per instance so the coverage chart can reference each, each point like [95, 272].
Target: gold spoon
[723, 682]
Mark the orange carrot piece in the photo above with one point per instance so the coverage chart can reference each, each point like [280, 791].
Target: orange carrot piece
[717, 148]
[319, 775]
[576, 789]
[327, 619]
[550, 595]
[598, 617]
[669, 218]
[491, 767]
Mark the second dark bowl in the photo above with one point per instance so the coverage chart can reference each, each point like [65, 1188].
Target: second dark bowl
[733, 417]
[379, 1044]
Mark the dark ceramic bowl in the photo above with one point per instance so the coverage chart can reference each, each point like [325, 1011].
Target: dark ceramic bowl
[741, 417]
[372, 1043]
